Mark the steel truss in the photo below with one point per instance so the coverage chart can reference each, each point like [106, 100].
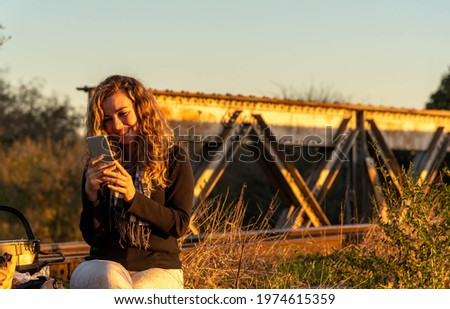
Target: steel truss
[364, 146]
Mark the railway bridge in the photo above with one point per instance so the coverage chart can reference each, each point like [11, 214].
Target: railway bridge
[320, 159]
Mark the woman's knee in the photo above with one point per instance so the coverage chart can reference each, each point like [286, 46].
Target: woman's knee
[158, 278]
[100, 274]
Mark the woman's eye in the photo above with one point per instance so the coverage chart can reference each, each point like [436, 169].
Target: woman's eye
[124, 114]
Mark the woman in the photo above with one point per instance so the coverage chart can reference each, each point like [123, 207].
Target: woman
[136, 208]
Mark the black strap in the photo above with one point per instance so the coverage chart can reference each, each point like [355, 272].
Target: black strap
[22, 218]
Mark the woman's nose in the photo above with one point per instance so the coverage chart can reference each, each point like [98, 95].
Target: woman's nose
[118, 125]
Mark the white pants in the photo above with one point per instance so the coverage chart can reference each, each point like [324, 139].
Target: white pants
[101, 274]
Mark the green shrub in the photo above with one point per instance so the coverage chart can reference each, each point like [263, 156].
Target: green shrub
[408, 247]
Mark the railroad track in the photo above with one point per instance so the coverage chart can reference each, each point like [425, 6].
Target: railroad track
[301, 240]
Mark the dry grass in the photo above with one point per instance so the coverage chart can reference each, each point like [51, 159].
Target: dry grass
[229, 254]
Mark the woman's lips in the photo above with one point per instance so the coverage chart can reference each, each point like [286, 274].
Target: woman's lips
[124, 133]
[121, 136]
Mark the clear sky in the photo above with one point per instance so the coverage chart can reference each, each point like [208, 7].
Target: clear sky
[383, 53]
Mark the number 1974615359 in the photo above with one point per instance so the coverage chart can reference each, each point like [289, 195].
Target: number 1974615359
[300, 299]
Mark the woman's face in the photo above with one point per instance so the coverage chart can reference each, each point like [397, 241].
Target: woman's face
[120, 120]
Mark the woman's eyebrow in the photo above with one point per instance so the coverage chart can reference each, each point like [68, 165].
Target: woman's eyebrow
[121, 109]
[117, 111]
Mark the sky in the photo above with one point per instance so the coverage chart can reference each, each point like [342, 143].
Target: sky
[381, 53]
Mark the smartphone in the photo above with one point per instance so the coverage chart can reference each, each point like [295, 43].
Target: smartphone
[98, 145]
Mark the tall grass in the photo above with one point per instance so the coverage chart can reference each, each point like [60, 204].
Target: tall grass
[407, 248]
[230, 254]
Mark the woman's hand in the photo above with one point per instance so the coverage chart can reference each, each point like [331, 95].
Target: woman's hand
[120, 181]
[94, 174]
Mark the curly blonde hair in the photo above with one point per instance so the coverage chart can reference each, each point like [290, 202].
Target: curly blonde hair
[156, 138]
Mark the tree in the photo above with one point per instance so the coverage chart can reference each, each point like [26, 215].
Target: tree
[312, 93]
[3, 38]
[25, 112]
[441, 98]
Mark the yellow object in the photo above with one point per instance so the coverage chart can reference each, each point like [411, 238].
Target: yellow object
[7, 269]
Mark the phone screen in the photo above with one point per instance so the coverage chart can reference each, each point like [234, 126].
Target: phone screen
[98, 145]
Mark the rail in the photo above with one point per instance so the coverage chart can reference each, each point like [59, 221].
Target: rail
[81, 249]
[300, 240]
